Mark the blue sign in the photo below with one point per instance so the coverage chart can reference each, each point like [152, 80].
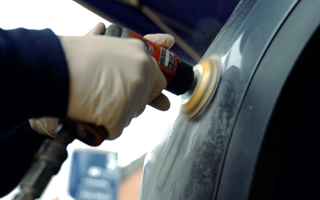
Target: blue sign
[94, 175]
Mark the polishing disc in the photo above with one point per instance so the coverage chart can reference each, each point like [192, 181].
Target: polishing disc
[206, 78]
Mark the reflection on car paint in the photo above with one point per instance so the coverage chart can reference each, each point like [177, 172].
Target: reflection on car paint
[233, 56]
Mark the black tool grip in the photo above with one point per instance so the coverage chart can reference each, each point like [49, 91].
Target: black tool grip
[182, 79]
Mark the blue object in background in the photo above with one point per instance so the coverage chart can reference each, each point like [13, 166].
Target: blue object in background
[94, 175]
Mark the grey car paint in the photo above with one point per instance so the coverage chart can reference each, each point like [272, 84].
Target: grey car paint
[186, 164]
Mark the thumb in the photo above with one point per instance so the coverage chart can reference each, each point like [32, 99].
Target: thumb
[97, 30]
[161, 102]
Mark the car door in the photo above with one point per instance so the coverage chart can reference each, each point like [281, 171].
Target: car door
[238, 147]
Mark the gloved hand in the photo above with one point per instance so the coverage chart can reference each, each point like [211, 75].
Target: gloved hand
[49, 125]
[112, 79]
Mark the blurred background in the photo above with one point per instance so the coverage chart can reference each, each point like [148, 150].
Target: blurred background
[122, 158]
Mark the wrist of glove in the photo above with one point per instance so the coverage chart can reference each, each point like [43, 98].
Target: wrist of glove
[111, 81]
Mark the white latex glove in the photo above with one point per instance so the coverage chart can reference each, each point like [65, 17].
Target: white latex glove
[112, 79]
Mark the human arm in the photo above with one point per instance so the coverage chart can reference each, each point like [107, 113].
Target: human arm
[28, 58]
[32, 62]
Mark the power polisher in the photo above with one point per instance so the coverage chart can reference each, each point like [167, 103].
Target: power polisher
[196, 85]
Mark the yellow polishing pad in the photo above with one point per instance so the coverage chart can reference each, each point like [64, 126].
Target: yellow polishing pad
[206, 78]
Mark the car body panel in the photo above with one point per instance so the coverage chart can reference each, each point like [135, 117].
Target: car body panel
[187, 162]
[275, 124]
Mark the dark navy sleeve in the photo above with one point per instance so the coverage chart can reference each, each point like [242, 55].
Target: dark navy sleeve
[34, 82]
[33, 76]
[17, 155]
